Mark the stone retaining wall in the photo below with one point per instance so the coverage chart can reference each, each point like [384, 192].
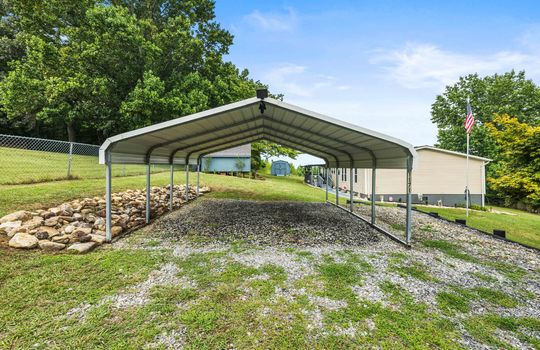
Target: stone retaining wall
[79, 225]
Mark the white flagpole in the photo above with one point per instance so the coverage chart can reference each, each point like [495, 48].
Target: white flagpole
[467, 176]
[467, 181]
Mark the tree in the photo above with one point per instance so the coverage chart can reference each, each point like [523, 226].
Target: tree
[239, 164]
[510, 93]
[261, 151]
[517, 174]
[104, 67]
[88, 69]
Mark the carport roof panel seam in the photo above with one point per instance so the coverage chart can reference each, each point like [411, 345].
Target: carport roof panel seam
[305, 124]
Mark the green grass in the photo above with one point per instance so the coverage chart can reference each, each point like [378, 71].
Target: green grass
[45, 195]
[459, 299]
[27, 166]
[450, 249]
[412, 269]
[228, 306]
[450, 303]
[482, 328]
[39, 289]
[520, 226]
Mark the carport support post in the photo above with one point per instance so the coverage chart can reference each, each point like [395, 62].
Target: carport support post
[326, 171]
[351, 189]
[198, 176]
[373, 193]
[108, 185]
[171, 190]
[409, 200]
[187, 181]
[337, 187]
[148, 192]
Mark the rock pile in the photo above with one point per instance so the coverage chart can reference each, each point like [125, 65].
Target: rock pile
[80, 224]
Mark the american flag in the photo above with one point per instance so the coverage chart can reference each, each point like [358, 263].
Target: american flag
[469, 120]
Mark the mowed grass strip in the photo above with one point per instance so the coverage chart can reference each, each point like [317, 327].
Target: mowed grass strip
[45, 195]
[520, 226]
[21, 166]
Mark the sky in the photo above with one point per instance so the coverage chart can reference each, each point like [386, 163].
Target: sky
[379, 64]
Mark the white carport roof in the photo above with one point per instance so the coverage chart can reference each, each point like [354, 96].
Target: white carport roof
[339, 143]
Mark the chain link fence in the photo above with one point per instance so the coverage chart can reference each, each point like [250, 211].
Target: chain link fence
[25, 160]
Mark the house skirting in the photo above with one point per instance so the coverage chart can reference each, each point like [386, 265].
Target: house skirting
[447, 200]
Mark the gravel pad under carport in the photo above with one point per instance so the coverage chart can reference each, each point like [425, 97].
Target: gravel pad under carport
[272, 223]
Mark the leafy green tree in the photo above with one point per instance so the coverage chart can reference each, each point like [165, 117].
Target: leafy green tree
[510, 93]
[95, 68]
[517, 174]
[104, 67]
[239, 164]
[261, 151]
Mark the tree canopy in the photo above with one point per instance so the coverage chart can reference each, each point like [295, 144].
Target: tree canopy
[97, 68]
[510, 93]
[507, 112]
[87, 69]
[517, 174]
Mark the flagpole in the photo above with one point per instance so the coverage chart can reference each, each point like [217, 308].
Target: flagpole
[467, 176]
[467, 181]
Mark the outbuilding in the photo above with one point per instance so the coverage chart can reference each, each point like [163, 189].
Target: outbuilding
[280, 168]
[235, 159]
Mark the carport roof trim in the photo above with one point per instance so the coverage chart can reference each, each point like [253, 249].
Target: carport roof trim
[107, 145]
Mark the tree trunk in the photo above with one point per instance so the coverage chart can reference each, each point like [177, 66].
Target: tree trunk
[71, 131]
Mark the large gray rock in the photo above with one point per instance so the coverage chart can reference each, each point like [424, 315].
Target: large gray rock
[50, 231]
[52, 221]
[34, 223]
[49, 246]
[116, 230]
[9, 226]
[24, 241]
[21, 215]
[82, 231]
[81, 248]
[97, 238]
[61, 239]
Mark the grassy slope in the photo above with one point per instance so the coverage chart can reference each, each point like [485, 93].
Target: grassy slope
[26, 166]
[35, 196]
[39, 289]
[520, 226]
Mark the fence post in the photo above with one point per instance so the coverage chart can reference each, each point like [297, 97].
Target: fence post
[69, 160]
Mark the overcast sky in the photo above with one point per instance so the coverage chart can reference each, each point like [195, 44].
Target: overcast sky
[379, 64]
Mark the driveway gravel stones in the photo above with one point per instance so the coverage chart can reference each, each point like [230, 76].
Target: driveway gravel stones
[299, 238]
[268, 223]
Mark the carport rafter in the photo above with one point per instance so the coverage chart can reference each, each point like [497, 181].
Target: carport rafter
[171, 156]
[203, 133]
[263, 137]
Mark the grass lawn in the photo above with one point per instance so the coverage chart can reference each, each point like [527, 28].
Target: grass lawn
[21, 166]
[520, 226]
[156, 292]
[48, 194]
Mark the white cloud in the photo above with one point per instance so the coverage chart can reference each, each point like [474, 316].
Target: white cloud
[296, 80]
[428, 66]
[277, 22]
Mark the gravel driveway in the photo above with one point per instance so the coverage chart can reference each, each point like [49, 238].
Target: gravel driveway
[469, 290]
[268, 223]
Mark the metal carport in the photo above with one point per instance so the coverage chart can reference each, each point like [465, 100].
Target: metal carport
[185, 140]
